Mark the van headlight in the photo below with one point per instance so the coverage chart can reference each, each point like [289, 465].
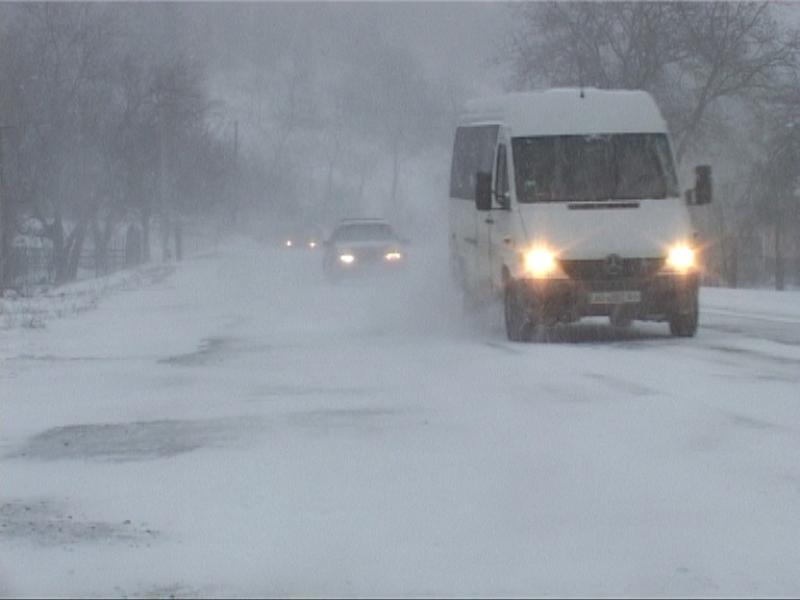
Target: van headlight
[347, 258]
[681, 257]
[539, 262]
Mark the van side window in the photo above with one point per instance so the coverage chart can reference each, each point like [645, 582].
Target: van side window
[501, 174]
[473, 152]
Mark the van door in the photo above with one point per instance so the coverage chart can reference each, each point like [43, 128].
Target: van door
[485, 225]
[493, 226]
[464, 242]
[473, 153]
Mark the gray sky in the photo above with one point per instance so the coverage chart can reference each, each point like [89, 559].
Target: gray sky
[454, 40]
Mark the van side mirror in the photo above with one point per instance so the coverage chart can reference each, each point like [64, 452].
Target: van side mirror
[483, 191]
[703, 186]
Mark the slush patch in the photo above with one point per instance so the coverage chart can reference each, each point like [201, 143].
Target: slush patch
[621, 385]
[143, 440]
[749, 422]
[48, 523]
[757, 354]
[210, 350]
[174, 590]
[293, 391]
[342, 418]
[217, 349]
[56, 359]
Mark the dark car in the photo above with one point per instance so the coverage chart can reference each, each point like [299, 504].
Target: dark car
[361, 246]
[303, 240]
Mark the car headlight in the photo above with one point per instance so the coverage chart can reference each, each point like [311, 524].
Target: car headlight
[539, 262]
[288, 243]
[681, 257]
[393, 256]
[347, 258]
[312, 244]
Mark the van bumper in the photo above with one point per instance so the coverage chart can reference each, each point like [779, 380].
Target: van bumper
[566, 300]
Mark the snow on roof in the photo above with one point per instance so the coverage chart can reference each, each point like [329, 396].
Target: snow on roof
[566, 111]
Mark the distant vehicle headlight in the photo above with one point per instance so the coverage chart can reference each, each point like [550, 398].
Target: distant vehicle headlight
[288, 243]
[312, 244]
[681, 257]
[539, 262]
[347, 258]
[393, 256]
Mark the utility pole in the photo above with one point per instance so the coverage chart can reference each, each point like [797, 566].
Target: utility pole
[3, 216]
[237, 200]
[6, 214]
[232, 188]
[162, 182]
[235, 142]
[170, 39]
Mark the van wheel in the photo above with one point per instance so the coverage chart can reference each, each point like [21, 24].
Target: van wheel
[619, 319]
[518, 325]
[621, 322]
[685, 325]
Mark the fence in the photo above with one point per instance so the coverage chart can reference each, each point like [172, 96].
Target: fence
[92, 265]
[28, 267]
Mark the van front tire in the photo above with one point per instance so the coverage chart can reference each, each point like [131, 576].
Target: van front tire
[685, 324]
[518, 325]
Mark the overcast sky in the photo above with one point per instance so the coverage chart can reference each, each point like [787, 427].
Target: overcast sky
[454, 40]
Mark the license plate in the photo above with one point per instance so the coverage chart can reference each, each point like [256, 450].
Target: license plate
[617, 297]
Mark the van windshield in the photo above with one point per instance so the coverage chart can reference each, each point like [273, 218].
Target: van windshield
[579, 168]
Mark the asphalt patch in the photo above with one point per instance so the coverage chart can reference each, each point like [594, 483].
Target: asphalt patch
[269, 392]
[210, 350]
[49, 523]
[361, 419]
[215, 350]
[621, 385]
[142, 440]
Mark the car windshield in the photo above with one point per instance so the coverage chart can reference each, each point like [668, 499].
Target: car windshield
[363, 232]
[627, 166]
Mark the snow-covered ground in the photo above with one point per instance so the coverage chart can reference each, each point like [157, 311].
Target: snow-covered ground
[242, 428]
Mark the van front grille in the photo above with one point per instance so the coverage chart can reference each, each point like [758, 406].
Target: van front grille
[621, 268]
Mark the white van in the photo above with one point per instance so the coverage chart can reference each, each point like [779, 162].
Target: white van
[566, 204]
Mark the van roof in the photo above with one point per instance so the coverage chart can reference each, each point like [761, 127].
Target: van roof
[569, 111]
[352, 220]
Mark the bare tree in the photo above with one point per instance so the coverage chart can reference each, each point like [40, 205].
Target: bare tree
[92, 105]
[59, 54]
[776, 183]
[717, 70]
[403, 111]
[690, 55]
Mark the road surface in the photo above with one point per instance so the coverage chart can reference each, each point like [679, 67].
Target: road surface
[240, 427]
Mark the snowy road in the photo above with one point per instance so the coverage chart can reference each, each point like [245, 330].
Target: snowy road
[242, 428]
